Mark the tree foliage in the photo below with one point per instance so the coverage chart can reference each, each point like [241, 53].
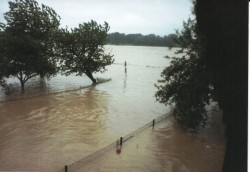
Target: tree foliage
[31, 44]
[28, 40]
[139, 39]
[83, 49]
[3, 59]
[186, 81]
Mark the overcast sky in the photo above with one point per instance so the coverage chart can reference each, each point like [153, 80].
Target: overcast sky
[160, 17]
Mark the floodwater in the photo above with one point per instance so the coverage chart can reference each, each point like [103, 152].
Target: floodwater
[168, 147]
[40, 131]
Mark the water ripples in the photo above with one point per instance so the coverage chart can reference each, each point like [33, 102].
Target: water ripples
[44, 133]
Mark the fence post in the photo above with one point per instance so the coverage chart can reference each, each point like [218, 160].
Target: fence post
[153, 123]
[66, 168]
[121, 141]
[125, 64]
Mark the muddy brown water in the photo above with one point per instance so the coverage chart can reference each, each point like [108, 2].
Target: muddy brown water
[40, 131]
[168, 147]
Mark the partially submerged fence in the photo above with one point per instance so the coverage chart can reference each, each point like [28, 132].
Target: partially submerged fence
[82, 162]
[53, 92]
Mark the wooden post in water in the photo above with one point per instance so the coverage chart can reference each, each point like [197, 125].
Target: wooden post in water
[118, 146]
[121, 141]
[66, 168]
[125, 64]
[153, 123]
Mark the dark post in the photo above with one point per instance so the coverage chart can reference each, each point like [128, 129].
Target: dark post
[153, 122]
[125, 64]
[121, 141]
[66, 168]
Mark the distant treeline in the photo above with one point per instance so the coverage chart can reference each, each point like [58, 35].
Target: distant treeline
[139, 39]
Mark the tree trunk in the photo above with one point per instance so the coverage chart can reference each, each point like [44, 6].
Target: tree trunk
[89, 74]
[22, 85]
[224, 25]
[21, 79]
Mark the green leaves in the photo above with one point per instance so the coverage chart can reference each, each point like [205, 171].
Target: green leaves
[186, 82]
[83, 49]
[29, 44]
[139, 39]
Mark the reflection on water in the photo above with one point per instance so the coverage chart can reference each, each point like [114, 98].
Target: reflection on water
[44, 133]
[125, 83]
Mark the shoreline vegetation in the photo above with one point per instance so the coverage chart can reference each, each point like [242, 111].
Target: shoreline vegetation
[32, 44]
[138, 39]
[99, 81]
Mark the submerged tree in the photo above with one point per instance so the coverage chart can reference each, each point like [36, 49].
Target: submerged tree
[2, 58]
[82, 49]
[28, 36]
[186, 81]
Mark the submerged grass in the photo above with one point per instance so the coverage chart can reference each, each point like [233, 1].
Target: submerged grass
[99, 81]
